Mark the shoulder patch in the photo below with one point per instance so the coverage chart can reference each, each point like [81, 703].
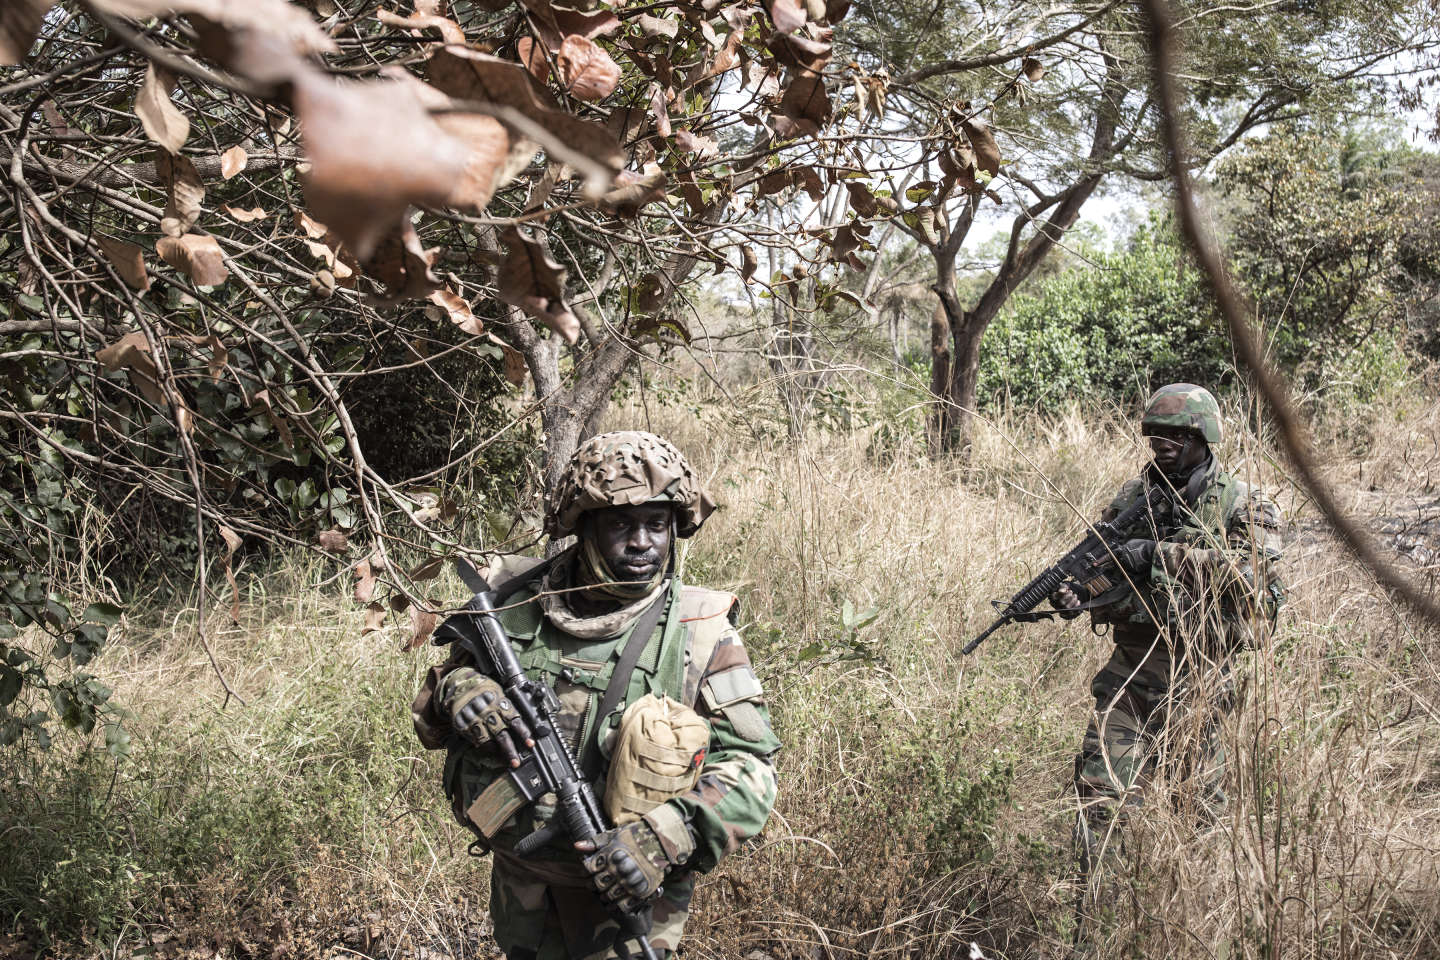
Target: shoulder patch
[738, 683]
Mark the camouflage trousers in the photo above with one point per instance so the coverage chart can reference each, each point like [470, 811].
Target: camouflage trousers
[549, 911]
[1138, 733]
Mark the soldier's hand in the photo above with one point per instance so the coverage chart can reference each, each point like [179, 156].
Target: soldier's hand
[1136, 555]
[1067, 601]
[626, 864]
[481, 713]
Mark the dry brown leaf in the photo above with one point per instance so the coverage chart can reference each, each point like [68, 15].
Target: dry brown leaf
[748, 263]
[184, 192]
[276, 17]
[374, 618]
[633, 191]
[666, 27]
[131, 353]
[862, 201]
[488, 168]
[514, 364]
[219, 356]
[788, 15]
[450, 31]
[20, 21]
[242, 215]
[402, 264]
[232, 543]
[586, 71]
[531, 280]
[688, 142]
[333, 541]
[128, 259]
[422, 624]
[809, 180]
[364, 582]
[584, 23]
[458, 311]
[261, 399]
[845, 242]
[374, 151]
[805, 101]
[728, 56]
[313, 228]
[798, 50]
[233, 161]
[534, 57]
[987, 153]
[197, 256]
[162, 120]
[470, 75]
[661, 111]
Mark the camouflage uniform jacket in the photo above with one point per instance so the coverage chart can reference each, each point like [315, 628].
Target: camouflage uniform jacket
[1214, 579]
[696, 657]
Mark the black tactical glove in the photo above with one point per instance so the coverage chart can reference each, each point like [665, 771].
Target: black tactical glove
[1136, 555]
[481, 713]
[629, 863]
[1067, 601]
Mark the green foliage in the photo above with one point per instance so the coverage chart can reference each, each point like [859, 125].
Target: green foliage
[44, 643]
[1110, 328]
[243, 798]
[947, 801]
[1332, 234]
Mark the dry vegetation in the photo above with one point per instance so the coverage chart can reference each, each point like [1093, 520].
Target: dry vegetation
[924, 800]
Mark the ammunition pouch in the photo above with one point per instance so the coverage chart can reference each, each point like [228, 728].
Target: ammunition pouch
[658, 753]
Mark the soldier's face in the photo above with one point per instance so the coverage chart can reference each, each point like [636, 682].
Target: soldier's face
[1175, 450]
[635, 541]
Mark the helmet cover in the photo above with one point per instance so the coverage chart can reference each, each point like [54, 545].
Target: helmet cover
[627, 468]
[1183, 405]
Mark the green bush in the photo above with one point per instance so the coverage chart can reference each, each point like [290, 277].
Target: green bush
[1110, 329]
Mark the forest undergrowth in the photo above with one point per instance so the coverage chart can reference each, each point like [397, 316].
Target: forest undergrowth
[925, 801]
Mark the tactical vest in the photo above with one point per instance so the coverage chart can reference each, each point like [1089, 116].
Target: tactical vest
[580, 671]
[1205, 525]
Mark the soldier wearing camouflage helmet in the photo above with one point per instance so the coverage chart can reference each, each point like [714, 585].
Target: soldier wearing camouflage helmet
[679, 748]
[1200, 584]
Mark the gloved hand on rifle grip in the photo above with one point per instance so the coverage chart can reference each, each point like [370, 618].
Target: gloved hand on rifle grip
[628, 864]
[1136, 555]
[1067, 601]
[481, 713]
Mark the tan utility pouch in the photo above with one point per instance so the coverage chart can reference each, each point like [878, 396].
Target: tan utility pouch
[658, 753]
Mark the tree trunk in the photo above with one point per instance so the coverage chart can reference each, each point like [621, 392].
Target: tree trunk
[938, 424]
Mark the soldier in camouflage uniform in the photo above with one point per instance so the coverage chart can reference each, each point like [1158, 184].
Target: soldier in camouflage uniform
[626, 496]
[1200, 583]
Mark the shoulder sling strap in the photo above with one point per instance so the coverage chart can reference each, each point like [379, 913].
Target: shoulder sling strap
[645, 625]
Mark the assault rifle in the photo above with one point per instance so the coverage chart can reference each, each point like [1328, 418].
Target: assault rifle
[548, 766]
[1090, 563]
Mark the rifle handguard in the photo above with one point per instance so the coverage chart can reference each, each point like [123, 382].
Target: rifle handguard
[1104, 541]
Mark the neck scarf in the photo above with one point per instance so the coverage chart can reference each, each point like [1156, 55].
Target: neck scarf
[555, 601]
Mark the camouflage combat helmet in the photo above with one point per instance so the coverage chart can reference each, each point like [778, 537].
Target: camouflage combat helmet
[626, 468]
[1183, 405]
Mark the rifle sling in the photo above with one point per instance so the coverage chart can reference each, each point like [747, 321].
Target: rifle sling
[639, 637]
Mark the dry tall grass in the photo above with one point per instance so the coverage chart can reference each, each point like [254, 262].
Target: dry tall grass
[925, 798]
